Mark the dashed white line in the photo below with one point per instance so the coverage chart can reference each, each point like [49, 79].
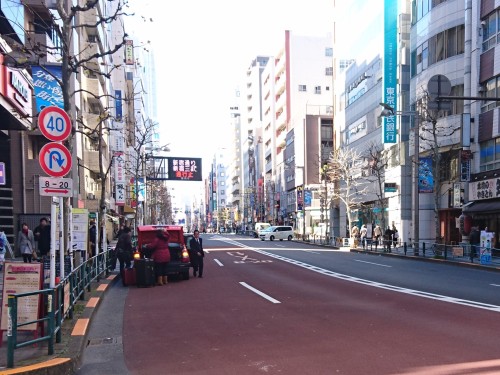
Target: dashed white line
[494, 284]
[271, 299]
[375, 264]
[218, 262]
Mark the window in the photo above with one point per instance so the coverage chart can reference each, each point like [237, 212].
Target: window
[302, 88]
[328, 52]
[329, 71]
[490, 155]
[317, 90]
[222, 174]
[223, 192]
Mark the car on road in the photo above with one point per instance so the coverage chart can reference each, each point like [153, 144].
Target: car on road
[179, 264]
[277, 232]
[260, 227]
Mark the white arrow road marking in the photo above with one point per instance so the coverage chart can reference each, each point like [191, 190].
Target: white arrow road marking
[271, 299]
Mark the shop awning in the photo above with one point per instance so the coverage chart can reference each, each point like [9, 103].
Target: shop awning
[482, 206]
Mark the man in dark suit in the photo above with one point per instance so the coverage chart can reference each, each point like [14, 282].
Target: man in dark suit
[196, 254]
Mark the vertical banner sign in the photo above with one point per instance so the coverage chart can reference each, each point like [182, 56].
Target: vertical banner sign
[390, 68]
[118, 105]
[129, 52]
[119, 180]
[425, 177]
[47, 90]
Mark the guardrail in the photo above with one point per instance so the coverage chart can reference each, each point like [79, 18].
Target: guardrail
[53, 300]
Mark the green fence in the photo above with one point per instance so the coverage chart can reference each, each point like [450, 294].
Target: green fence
[77, 283]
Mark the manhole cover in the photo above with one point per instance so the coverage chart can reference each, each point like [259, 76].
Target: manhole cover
[104, 341]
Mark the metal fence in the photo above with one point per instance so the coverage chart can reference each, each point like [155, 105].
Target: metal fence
[58, 304]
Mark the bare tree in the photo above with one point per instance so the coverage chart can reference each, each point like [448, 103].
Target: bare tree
[345, 180]
[433, 136]
[138, 158]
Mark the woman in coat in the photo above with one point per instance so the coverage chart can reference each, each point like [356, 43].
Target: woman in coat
[161, 256]
[26, 243]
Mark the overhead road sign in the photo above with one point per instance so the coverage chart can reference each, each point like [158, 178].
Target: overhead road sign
[55, 159]
[54, 123]
[55, 187]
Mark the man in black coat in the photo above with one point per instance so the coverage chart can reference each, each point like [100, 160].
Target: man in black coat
[42, 237]
[196, 254]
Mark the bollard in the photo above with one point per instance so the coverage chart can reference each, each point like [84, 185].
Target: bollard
[445, 252]
[423, 249]
[405, 247]
[415, 249]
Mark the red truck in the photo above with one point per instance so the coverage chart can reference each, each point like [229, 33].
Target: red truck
[179, 264]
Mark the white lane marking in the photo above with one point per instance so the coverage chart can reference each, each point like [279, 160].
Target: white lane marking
[218, 262]
[494, 285]
[394, 288]
[438, 297]
[310, 251]
[271, 299]
[375, 264]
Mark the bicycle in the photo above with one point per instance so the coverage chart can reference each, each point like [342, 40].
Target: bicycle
[438, 249]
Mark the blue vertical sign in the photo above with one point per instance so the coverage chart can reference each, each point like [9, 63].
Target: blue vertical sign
[390, 68]
[118, 105]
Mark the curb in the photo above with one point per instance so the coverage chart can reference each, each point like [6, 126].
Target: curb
[74, 337]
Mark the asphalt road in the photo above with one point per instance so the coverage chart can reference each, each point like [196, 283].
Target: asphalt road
[290, 308]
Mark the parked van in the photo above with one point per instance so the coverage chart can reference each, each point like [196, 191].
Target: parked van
[260, 227]
[278, 232]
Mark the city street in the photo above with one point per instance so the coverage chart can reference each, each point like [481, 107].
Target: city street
[292, 308]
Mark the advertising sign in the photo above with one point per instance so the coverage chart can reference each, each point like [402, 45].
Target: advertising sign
[47, 89]
[390, 68]
[119, 179]
[21, 278]
[3, 180]
[425, 177]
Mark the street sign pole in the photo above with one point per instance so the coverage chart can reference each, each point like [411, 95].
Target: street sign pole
[53, 220]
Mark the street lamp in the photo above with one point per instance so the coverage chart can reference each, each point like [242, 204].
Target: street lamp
[387, 112]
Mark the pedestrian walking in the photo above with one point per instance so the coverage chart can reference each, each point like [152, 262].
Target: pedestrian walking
[363, 233]
[42, 237]
[475, 241]
[355, 236]
[388, 239]
[26, 243]
[92, 238]
[377, 233]
[161, 256]
[3, 247]
[196, 254]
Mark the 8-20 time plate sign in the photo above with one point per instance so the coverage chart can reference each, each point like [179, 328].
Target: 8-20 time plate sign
[55, 187]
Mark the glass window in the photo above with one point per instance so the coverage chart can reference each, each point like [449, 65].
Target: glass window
[487, 151]
[328, 51]
[451, 40]
[440, 53]
[460, 39]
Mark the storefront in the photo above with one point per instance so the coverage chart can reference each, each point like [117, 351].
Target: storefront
[484, 205]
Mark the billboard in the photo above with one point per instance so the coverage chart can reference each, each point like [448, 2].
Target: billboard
[169, 168]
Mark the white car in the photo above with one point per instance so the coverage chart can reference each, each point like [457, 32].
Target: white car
[277, 232]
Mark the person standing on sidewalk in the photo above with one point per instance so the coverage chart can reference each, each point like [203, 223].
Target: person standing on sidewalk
[3, 247]
[26, 243]
[475, 241]
[363, 232]
[124, 249]
[196, 254]
[42, 237]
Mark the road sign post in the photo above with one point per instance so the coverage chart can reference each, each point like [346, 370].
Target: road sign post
[55, 159]
[54, 123]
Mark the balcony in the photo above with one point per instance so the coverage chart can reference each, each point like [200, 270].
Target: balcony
[41, 7]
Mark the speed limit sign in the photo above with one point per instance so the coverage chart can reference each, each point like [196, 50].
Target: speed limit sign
[54, 123]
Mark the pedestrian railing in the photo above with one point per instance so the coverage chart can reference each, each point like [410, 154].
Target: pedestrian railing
[58, 304]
